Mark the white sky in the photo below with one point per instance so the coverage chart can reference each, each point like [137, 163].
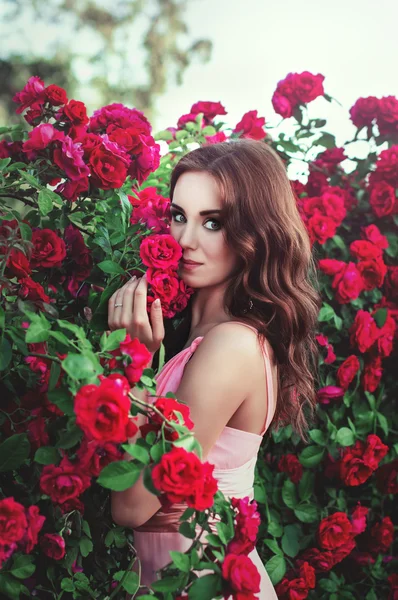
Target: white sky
[354, 43]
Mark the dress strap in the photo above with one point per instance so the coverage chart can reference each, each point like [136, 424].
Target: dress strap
[271, 400]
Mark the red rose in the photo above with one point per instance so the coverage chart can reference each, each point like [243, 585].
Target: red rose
[63, 482]
[387, 119]
[373, 235]
[160, 252]
[308, 574]
[382, 199]
[334, 531]
[320, 561]
[13, 522]
[164, 285]
[39, 138]
[37, 430]
[387, 478]
[328, 393]
[108, 167]
[168, 408]
[48, 249]
[321, 228]
[374, 451]
[146, 161]
[183, 477]
[364, 331]
[364, 111]
[372, 273]
[347, 371]
[365, 250]
[385, 339]
[282, 105]
[69, 158]
[31, 95]
[251, 126]
[93, 457]
[210, 110]
[354, 470]
[382, 535]
[152, 209]
[292, 589]
[39, 365]
[71, 190]
[291, 465]
[53, 545]
[358, 519]
[241, 575]
[55, 95]
[246, 527]
[102, 411]
[135, 358]
[35, 523]
[32, 290]
[217, 138]
[75, 111]
[307, 86]
[17, 264]
[372, 374]
[317, 182]
[386, 167]
[329, 159]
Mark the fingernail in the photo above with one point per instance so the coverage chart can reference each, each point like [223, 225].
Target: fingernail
[133, 278]
[157, 303]
[144, 275]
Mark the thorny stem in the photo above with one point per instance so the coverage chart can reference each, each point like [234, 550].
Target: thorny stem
[48, 356]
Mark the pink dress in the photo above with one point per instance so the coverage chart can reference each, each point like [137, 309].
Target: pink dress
[234, 455]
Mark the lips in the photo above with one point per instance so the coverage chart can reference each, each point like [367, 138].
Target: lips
[190, 262]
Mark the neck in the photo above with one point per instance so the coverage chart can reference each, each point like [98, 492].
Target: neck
[208, 309]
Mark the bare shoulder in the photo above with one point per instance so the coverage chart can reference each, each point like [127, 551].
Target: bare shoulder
[234, 342]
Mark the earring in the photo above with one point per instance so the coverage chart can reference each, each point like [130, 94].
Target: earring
[250, 306]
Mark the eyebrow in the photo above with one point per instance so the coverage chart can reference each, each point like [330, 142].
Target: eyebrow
[202, 212]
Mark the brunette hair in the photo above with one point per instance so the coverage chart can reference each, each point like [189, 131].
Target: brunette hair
[276, 269]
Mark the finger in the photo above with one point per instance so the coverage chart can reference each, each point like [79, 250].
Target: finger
[157, 322]
[140, 314]
[126, 312]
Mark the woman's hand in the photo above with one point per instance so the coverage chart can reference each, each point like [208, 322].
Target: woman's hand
[127, 308]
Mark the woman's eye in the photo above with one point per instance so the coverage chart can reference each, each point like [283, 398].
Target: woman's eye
[213, 225]
[178, 217]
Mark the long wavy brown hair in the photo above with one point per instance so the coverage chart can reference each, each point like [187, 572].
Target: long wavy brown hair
[276, 270]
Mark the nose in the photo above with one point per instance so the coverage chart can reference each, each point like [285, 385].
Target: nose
[187, 237]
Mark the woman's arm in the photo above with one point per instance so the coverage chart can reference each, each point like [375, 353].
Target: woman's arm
[216, 381]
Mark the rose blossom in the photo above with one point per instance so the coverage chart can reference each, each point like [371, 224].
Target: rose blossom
[108, 165]
[241, 576]
[251, 126]
[364, 111]
[69, 158]
[39, 138]
[387, 478]
[168, 408]
[184, 478]
[63, 482]
[53, 545]
[102, 411]
[382, 535]
[347, 371]
[35, 522]
[358, 519]
[291, 465]
[135, 358]
[364, 331]
[372, 374]
[160, 252]
[48, 249]
[55, 95]
[152, 209]
[32, 290]
[31, 95]
[334, 531]
[13, 522]
[92, 457]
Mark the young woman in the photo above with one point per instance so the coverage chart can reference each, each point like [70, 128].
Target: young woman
[249, 357]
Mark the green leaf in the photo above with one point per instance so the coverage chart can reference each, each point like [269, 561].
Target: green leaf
[63, 399]
[345, 437]
[4, 162]
[275, 529]
[107, 266]
[306, 485]
[70, 437]
[47, 455]
[188, 530]
[30, 179]
[327, 140]
[289, 494]
[86, 528]
[164, 136]
[82, 366]
[67, 585]
[290, 540]
[11, 587]
[276, 568]
[380, 317]
[130, 583]
[2, 318]
[383, 423]
[326, 313]
[113, 340]
[85, 546]
[119, 475]
[14, 451]
[181, 561]
[205, 588]
[23, 567]
[38, 329]
[161, 357]
[318, 436]
[306, 513]
[273, 546]
[5, 353]
[311, 456]
[138, 452]
[45, 201]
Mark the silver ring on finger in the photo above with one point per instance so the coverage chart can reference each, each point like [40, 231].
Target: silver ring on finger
[117, 305]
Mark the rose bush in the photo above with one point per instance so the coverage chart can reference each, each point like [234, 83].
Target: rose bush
[84, 206]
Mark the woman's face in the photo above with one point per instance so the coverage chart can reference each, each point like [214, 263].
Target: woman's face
[207, 259]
